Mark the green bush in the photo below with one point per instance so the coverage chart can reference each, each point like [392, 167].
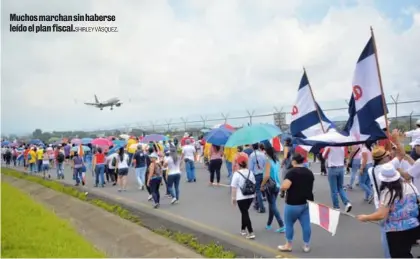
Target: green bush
[211, 250]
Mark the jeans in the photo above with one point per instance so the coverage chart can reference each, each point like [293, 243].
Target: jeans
[384, 242]
[99, 174]
[165, 179]
[229, 168]
[272, 207]
[364, 182]
[301, 213]
[39, 164]
[190, 170]
[32, 167]
[258, 194]
[335, 179]
[60, 170]
[78, 174]
[130, 158]
[154, 188]
[140, 175]
[173, 185]
[355, 166]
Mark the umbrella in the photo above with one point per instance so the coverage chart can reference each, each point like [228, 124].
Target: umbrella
[76, 148]
[218, 136]
[205, 130]
[101, 142]
[119, 142]
[86, 141]
[153, 138]
[125, 136]
[111, 137]
[114, 149]
[35, 142]
[225, 125]
[5, 143]
[252, 134]
[76, 141]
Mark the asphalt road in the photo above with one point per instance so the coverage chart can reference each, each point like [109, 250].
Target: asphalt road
[209, 207]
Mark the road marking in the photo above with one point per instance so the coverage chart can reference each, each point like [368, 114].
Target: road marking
[201, 225]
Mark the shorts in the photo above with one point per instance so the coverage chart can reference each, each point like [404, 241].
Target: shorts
[45, 167]
[123, 171]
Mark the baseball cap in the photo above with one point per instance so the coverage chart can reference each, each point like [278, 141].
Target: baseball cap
[242, 158]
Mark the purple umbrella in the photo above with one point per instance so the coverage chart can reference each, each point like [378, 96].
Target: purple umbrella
[153, 138]
[76, 141]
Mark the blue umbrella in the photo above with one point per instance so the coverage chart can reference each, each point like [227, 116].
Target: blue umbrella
[86, 141]
[218, 136]
[114, 149]
[253, 134]
[119, 142]
[5, 143]
[154, 138]
[35, 142]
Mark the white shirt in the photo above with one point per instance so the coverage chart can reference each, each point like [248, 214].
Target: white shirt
[414, 134]
[238, 182]
[173, 168]
[335, 156]
[414, 171]
[109, 160]
[378, 169]
[188, 152]
[369, 155]
[403, 164]
[124, 163]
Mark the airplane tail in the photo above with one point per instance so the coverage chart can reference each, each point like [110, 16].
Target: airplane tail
[96, 99]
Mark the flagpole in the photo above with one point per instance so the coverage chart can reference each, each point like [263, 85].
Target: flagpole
[313, 98]
[380, 82]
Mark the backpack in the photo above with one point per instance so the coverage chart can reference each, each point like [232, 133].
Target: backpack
[249, 187]
[114, 161]
[60, 157]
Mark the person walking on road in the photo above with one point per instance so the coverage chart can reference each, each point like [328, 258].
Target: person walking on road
[155, 178]
[335, 169]
[215, 164]
[243, 200]
[173, 164]
[298, 184]
[112, 171]
[77, 168]
[364, 182]
[140, 166]
[98, 166]
[188, 155]
[271, 185]
[123, 160]
[257, 161]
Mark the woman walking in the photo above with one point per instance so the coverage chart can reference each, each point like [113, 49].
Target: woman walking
[122, 166]
[244, 201]
[298, 184]
[399, 210]
[271, 185]
[98, 165]
[46, 165]
[155, 178]
[77, 168]
[173, 163]
[215, 164]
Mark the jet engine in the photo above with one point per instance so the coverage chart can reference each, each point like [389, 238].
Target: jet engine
[118, 104]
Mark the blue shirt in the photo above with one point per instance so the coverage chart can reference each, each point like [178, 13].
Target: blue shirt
[257, 168]
[248, 151]
[275, 171]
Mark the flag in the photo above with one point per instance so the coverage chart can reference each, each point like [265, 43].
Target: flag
[305, 120]
[365, 107]
[324, 216]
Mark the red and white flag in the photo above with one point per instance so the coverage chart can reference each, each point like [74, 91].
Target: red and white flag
[324, 216]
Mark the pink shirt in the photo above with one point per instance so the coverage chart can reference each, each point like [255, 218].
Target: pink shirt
[214, 154]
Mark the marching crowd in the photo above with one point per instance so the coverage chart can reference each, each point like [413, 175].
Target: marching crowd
[388, 176]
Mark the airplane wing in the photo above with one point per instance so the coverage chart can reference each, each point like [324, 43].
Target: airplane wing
[93, 104]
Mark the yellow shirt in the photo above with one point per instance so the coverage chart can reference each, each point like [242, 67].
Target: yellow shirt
[39, 154]
[33, 156]
[207, 147]
[130, 143]
[230, 153]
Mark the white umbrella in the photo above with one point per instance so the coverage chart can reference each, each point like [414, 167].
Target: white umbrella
[124, 136]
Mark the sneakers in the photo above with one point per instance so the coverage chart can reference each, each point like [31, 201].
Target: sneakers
[156, 205]
[150, 198]
[173, 200]
[306, 248]
[243, 233]
[250, 236]
[281, 230]
[348, 207]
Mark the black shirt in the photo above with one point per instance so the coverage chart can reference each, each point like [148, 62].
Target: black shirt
[140, 158]
[302, 185]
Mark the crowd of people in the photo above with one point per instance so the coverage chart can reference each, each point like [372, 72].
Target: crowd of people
[388, 176]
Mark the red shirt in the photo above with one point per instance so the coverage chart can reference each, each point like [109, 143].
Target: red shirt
[100, 158]
[276, 144]
[302, 152]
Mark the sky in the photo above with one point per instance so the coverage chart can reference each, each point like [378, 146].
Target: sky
[191, 58]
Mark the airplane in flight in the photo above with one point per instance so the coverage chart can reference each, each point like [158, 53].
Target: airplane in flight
[109, 103]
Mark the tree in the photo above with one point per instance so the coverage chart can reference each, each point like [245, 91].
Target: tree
[37, 134]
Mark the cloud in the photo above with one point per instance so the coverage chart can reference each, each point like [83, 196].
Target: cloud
[172, 59]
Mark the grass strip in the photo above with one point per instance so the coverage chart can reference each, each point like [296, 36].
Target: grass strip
[212, 250]
[29, 230]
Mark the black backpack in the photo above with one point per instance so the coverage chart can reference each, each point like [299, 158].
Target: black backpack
[249, 187]
[60, 157]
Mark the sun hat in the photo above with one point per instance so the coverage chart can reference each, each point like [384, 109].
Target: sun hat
[416, 142]
[388, 173]
[379, 153]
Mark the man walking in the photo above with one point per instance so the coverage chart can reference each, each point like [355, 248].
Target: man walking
[256, 165]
